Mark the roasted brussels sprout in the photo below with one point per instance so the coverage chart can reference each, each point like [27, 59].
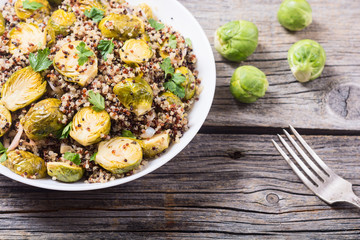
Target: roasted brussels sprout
[66, 63]
[65, 172]
[121, 27]
[236, 40]
[189, 84]
[171, 98]
[146, 10]
[307, 60]
[5, 119]
[135, 94]
[135, 51]
[119, 155]
[2, 24]
[88, 4]
[61, 21]
[50, 36]
[25, 164]
[24, 13]
[43, 120]
[22, 88]
[89, 126]
[27, 38]
[295, 15]
[155, 145]
[248, 84]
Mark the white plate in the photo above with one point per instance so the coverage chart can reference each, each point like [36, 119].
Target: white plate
[176, 15]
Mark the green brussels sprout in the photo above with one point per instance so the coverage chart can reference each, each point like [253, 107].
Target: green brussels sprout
[43, 120]
[189, 84]
[37, 14]
[65, 172]
[66, 63]
[307, 60]
[50, 35]
[236, 40]
[88, 4]
[295, 15]
[27, 38]
[171, 98]
[5, 119]
[135, 51]
[121, 27]
[89, 126]
[135, 94]
[25, 164]
[61, 21]
[248, 84]
[156, 144]
[146, 10]
[2, 24]
[119, 155]
[22, 88]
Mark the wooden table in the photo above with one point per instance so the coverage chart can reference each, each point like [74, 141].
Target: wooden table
[230, 182]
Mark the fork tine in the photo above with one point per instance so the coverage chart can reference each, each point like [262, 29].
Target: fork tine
[299, 161]
[307, 159]
[327, 170]
[294, 167]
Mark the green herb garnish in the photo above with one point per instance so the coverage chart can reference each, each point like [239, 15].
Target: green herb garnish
[127, 133]
[172, 41]
[158, 26]
[167, 67]
[65, 132]
[73, 157]
[32, 5]
[188, 42]
[106, 47]
[3, 152]
[97, 100]
[93, 157]
[95, 14]
[174, 84]
[40, 61]
[83, 53]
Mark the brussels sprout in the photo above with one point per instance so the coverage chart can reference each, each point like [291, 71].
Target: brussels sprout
[65, 172]
[27, 38]
[89, 126]
[25, 164]
[61, 21]
[146, 10]
[135, 51]
[2, 24]
[135, 94]
[155, 145]
[43, 120]
[119, 155]
[189, 84]
[50, 36]
[236, 40]
[88, 4]
[121, 27]
[5, 119]
[37, 14]
[171, 98]
[66, 63]
[22, 88]
[295, 15]
[248, 84]
[307, 60]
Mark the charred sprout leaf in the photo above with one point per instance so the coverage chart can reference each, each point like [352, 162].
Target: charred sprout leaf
[95, 14]
[158, 26]
[41, 61]
[73, 157]
[97, 100]
[66, 131]
[83, 53]
[172, 42]
[3, 157]
[106, 47]
[127, 133]
[188, 42]
[93, 157]
[167, 67]
[32, 5]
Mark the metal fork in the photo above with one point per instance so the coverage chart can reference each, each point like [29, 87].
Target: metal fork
[326, 184]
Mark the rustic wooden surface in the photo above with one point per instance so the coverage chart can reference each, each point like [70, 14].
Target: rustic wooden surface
[230, 183]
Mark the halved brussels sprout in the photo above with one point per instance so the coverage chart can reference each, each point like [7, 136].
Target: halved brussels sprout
[22, 88]
[189, 84]
[43, 120]
[135, 51]
[295, 15]
[121, 27]
[37, 14]
[89, 126]
[66, 63]
[162, 51]
[65, 172]
[171, 98]
[156, 144]
[26, 164]
[146, 10]
[5, 119]
[50, 36]
[2, 24]
[119, 155]
[61, 21]
[26, 37]
[88, 4]
[135, 94]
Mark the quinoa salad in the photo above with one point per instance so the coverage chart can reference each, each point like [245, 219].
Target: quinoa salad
[90, 90]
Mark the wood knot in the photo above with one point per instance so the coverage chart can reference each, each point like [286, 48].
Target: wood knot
[235, 154]
[272, 198]
[344, 101]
